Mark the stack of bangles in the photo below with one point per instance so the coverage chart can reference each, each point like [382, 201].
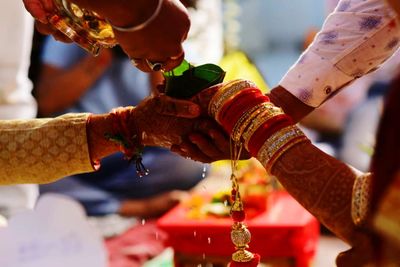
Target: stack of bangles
[253, 121]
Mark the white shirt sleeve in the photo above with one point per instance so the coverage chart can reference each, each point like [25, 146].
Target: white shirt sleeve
[354, 40]
[16, 100]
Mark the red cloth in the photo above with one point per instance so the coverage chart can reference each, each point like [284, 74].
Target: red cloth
[136, 246]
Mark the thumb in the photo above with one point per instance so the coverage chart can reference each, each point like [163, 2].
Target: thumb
[169, 106]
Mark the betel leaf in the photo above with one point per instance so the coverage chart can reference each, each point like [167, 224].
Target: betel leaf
[186, 80]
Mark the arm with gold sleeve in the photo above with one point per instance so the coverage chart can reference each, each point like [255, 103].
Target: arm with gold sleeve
[41, 150]
[44, 150]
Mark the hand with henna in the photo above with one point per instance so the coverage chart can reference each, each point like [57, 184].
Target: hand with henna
[180, 125]
[211, 143]
[157, 119]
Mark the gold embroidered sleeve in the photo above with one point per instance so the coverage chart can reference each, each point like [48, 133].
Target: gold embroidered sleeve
[43, 150]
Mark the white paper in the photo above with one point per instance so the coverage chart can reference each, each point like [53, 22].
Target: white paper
[55, 234]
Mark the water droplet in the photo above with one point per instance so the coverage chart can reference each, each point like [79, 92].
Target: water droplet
[143, 221]
[194, 233]
[204, 256]
[203, 175]
[209, 240]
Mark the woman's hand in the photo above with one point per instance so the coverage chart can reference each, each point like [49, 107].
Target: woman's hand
[180, 125]
[205, 140]
[207, 143]
[156, 120]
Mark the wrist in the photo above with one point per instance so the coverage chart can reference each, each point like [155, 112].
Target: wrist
[127, 13]
[99, 146]
[120, 12]
[290, 104]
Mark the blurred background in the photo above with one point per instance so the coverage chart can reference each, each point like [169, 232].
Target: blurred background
[254, 39]
[273, 32]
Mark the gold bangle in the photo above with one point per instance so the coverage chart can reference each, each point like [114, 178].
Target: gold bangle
[226, 92]
[258, 121]
[276, 141]
[241, 127]
[232, 96]
[283, 149]
[360, 201]
[212, 106]
[246, 118]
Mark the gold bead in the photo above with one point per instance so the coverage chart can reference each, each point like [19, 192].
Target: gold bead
[240, 237]
[242, 255]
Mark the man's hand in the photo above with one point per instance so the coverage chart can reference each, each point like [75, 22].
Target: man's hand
[159, 42]
[40, 10]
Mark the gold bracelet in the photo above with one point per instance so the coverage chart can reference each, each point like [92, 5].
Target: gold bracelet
[226, 92]
[213, 105]
[283, 149]
[241, 127]
[360, 201]
[276, 141]
[262, 118]
[246, 118]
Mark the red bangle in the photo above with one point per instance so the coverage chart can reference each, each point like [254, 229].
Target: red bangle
[244, 96]
[266, 130]
[128, 138]
[95, 162]
[231, 118]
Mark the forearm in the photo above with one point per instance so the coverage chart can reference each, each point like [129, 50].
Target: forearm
[354, 40]
[43, 150]
[322, 184]
[290, 104]
[98, 127]
[59, 89]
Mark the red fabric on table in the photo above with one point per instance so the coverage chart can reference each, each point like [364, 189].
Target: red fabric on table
[285, 229]
[136, 246]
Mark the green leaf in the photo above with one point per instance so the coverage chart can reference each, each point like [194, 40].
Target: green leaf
[186, 80]
[178, 71]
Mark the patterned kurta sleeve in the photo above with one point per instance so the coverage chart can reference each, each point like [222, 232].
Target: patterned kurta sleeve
[43, 150]
[354, 40]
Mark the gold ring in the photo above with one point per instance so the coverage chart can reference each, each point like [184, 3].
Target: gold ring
[154, 66]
